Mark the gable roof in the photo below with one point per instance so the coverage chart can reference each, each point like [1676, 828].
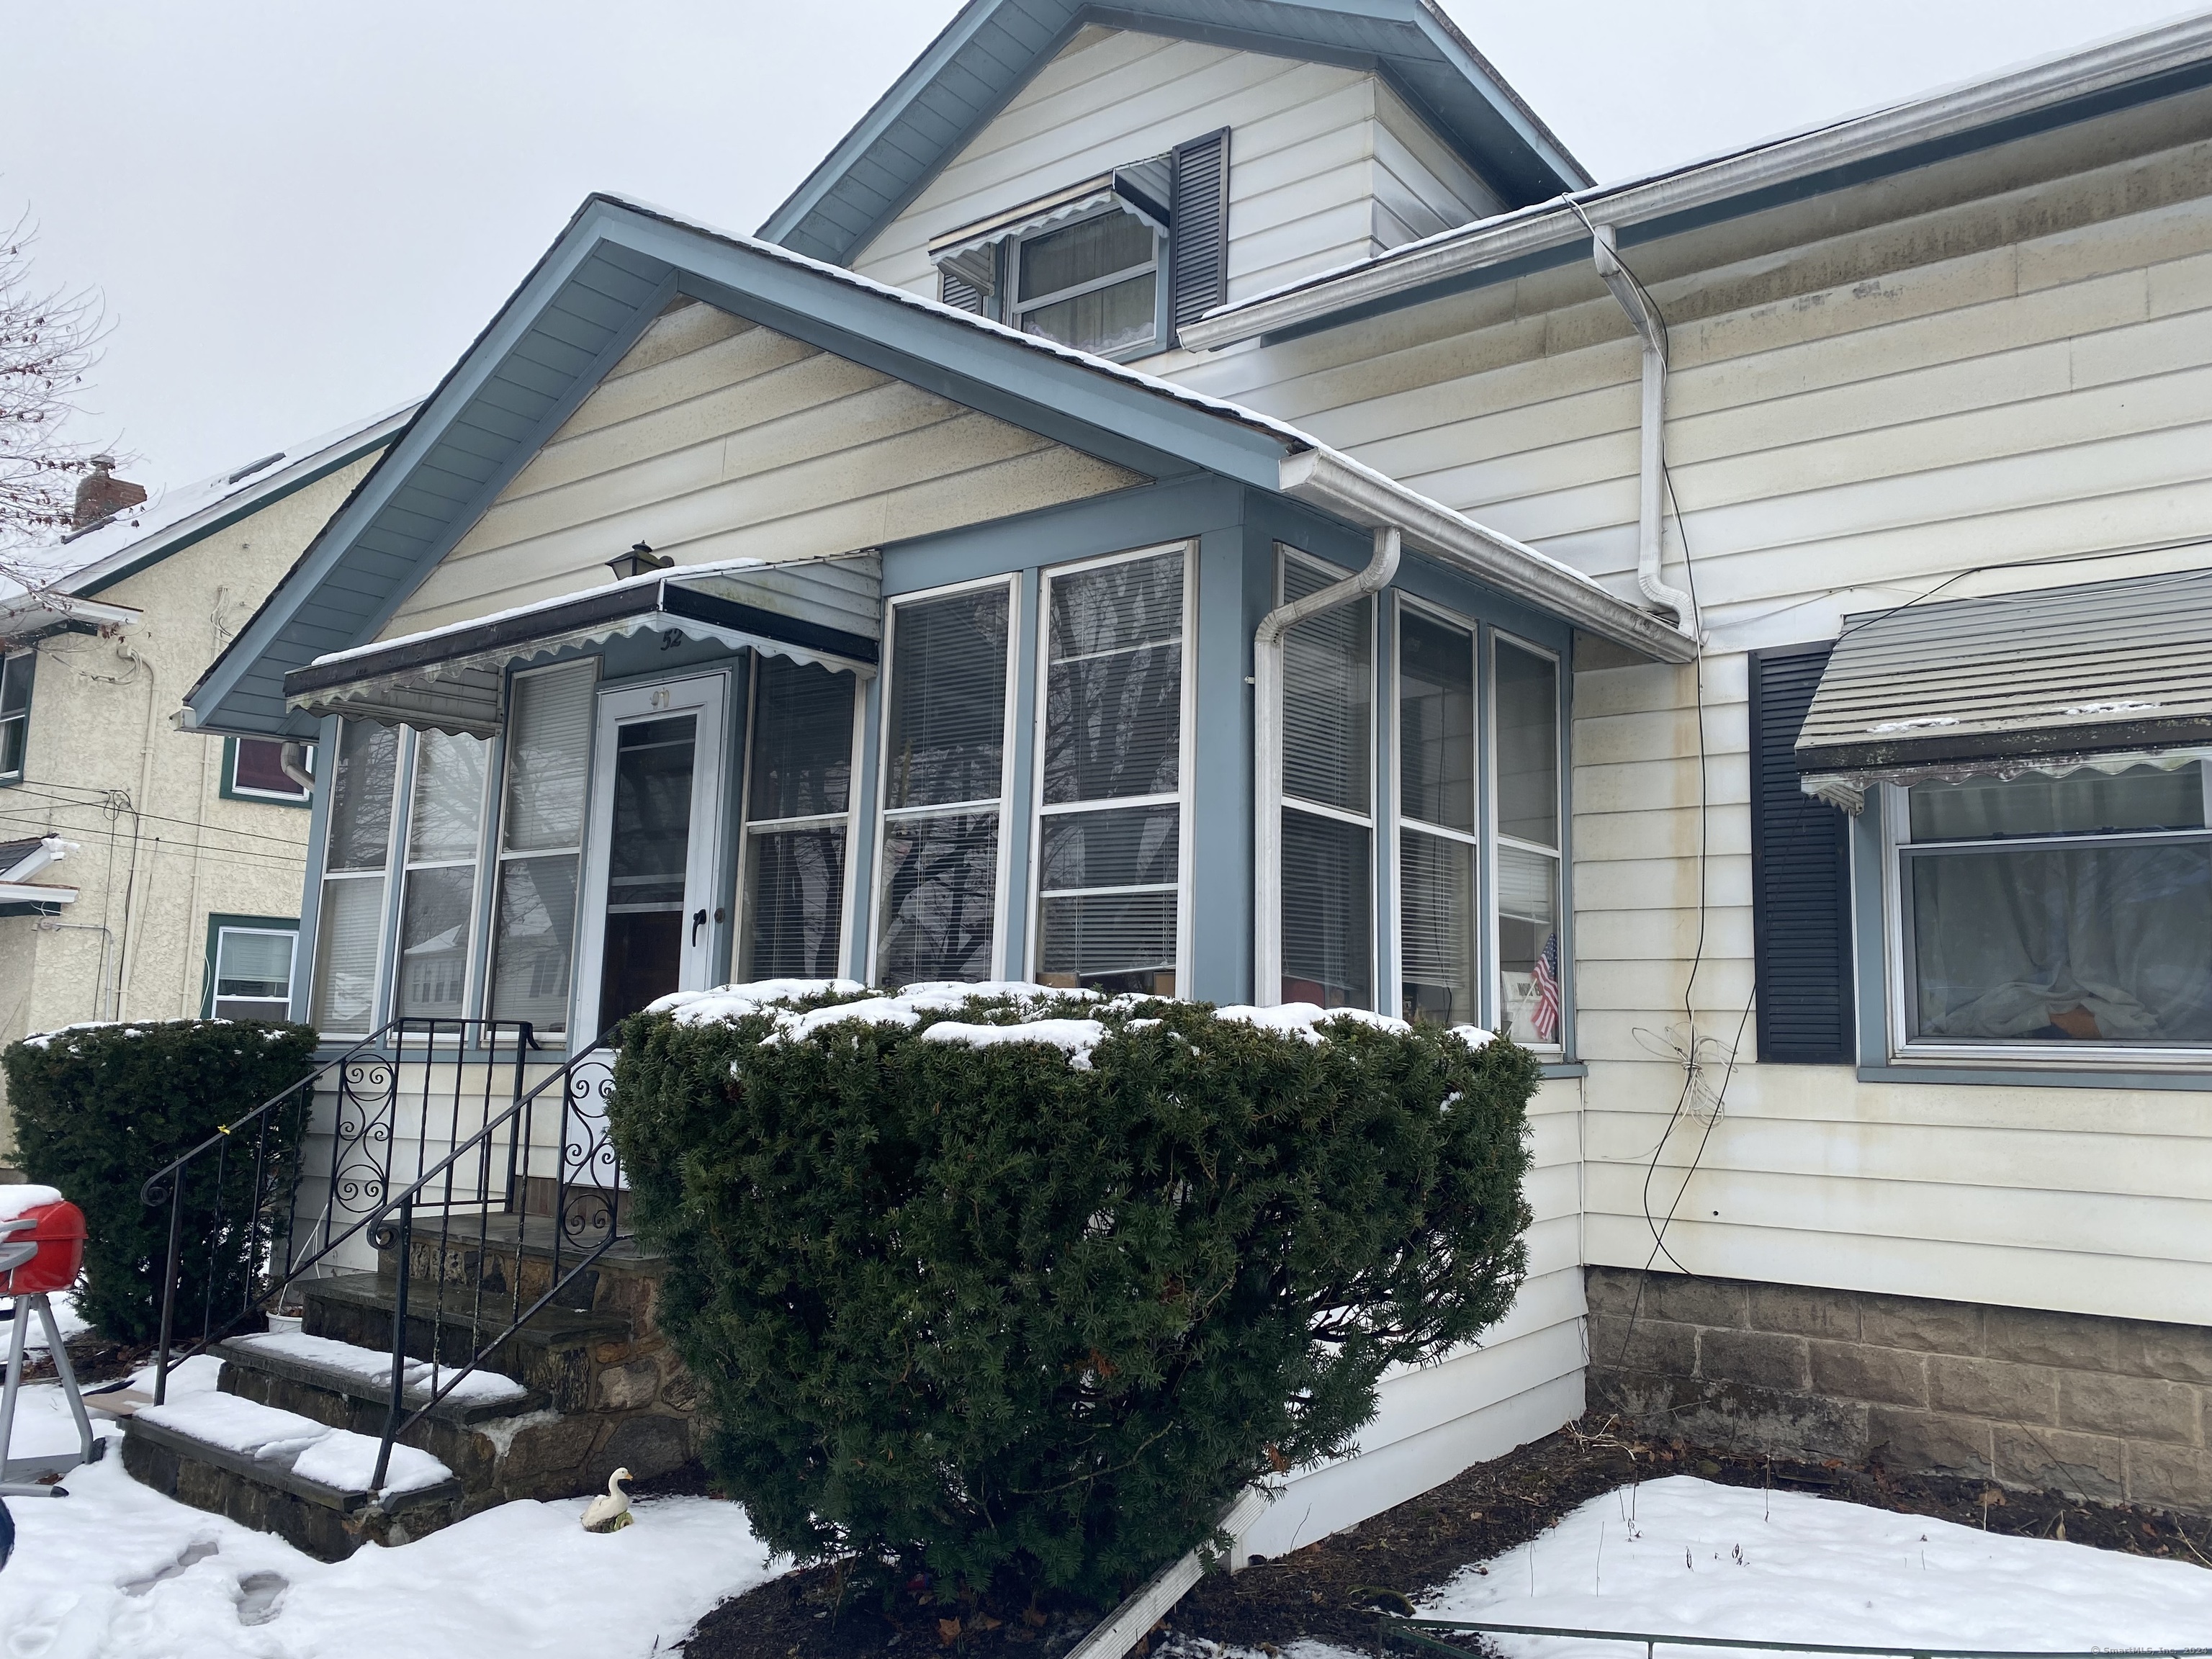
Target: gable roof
[617, 267]
[990, 51]
[171, 519]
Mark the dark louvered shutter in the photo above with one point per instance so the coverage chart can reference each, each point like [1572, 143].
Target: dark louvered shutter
[958, 292]
[1800, 878]
[1198, 235]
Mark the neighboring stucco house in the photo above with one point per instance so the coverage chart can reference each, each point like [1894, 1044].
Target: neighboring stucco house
[145, 874]
[1206, 497]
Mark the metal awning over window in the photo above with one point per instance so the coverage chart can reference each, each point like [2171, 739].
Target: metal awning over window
[1142, 188]
[818, 610]
[2017, 682]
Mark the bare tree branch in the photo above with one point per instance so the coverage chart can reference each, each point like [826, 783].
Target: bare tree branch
[50, 339]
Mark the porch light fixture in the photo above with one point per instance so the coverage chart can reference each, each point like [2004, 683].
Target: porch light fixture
[640, 559]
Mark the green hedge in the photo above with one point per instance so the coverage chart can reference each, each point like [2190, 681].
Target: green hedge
[983, 1312]
[98, 1109]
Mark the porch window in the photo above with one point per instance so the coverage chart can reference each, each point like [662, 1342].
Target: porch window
[1328, 825]
[252, 976]
[14, 712]
[798, 787]
[541, 835]
[1525, 703]
[2056, 909]
[438, 898]
[1110, 815]
[1093, 284]
[944, 740]
[355, 855]
[1437, 838]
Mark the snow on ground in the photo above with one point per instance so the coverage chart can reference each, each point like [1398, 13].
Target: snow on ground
[1685, 1557]
[115, 1572]
[72, 1323]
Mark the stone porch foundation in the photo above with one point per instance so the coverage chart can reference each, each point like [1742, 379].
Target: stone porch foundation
[2113, 1409]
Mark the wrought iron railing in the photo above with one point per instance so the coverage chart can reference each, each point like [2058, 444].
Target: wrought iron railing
[390, 1104]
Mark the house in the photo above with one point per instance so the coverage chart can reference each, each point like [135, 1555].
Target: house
[1208, 497]
[145, 875]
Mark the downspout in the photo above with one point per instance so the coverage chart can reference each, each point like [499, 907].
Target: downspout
[1267, 754]
[1644, 317]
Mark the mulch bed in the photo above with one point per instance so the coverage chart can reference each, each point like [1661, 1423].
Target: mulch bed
[1333, 1589]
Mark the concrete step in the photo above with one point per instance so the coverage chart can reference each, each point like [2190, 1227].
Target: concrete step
[281, 1471]
[365, 1374]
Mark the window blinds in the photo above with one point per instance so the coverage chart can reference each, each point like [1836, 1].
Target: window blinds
[944, 742]
[1329, 687]
[1108, 874]
[349, 931]
[1436, 927]
[549, 747]
[1328, 934]
[798, 788]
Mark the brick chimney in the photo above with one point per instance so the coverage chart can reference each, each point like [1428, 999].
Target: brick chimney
[99, 492]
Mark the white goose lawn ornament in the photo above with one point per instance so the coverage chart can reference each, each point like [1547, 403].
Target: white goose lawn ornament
[609, 1511]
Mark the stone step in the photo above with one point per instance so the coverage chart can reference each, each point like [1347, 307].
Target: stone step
[283, 1473]
[506, 1255]
[365, 1374]
[555, 1354]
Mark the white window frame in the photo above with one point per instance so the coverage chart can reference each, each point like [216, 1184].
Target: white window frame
[387, 916]
[495, 855]
[1378, 972]
[215, 998]
[748, 830]
[1014, 308]
[1483, 942]
[301, 797]
[1002, 804]
[708, 696]
[1896, 840]
[9, 659]
[1185, 754]
[1494, 996]
[402, 864]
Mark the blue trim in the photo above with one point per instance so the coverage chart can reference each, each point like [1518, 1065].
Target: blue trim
[1565, 1068]
[987, 54]
[2036, 1077]
[219, 920]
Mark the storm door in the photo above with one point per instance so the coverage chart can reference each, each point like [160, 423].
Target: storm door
[656, 794]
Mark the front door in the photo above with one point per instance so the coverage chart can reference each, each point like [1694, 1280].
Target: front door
[656, 791]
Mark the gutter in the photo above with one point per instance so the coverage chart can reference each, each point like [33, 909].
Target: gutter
[1268, 753]
[1359, 495]
[1461, 256]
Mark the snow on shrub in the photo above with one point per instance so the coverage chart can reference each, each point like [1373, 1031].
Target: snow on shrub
[99, 1108]
[1019, 1287]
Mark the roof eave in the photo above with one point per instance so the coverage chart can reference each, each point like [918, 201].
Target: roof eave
[1833, 156]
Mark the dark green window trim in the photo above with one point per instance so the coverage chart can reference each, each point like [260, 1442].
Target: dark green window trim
[217, 921]
[229, 790]
[12, 663]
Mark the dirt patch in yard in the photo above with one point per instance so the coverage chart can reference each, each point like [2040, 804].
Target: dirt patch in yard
[1333, 1589]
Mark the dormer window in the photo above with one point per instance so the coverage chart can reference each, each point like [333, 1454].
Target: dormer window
[1084, 266]
[1093, 284]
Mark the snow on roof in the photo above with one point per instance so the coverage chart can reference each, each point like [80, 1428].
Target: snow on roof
[85, 556]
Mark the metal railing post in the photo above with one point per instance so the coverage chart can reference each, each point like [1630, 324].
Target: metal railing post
[398, 1342]
[169, 1285]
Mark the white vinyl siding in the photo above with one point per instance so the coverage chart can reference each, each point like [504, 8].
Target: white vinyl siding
[1314, 149]
[1855, 416]
[715, 439]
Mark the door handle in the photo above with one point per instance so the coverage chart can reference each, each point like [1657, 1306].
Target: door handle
[698, 920]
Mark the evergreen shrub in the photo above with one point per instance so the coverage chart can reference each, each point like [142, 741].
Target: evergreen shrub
[99, 1107]
[1021, 1320]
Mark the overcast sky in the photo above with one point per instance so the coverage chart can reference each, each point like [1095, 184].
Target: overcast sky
[300, 213]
